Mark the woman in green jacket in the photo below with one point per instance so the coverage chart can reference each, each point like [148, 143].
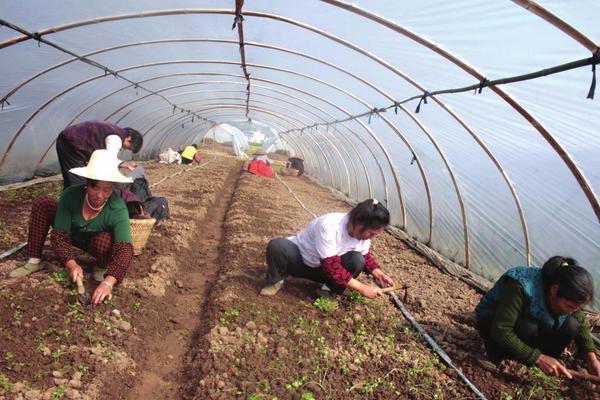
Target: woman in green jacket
[532, 314]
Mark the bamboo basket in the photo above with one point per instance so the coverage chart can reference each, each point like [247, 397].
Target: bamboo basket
[140, 232]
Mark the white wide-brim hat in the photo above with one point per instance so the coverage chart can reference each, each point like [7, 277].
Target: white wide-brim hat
[103, 166]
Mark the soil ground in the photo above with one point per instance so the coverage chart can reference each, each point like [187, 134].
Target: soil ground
[188, 322]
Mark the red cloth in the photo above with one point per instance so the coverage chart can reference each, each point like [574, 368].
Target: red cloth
[259, 167]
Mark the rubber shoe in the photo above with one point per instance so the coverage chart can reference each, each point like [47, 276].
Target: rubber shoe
[99, 274]
[25, 270]
[271, 290]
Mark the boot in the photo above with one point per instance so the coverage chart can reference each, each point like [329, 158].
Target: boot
[271, 290]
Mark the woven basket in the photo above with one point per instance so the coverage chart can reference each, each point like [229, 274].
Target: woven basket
[140, 232]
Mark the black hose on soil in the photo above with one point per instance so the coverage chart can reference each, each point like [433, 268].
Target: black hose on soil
[436, 347]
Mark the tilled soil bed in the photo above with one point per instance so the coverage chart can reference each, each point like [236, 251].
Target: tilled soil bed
[189, 323]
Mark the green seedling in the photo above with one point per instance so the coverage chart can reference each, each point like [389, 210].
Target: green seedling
[296, 383]
[325, 304]
[230, 317]
[5, 383]
[56, 355]
[57, 394]
[17, 315]
[62, 278]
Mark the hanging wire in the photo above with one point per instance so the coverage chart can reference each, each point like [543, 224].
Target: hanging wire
[477, 88]
[38, 37]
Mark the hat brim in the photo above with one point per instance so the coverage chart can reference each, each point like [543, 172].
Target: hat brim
[103, 176]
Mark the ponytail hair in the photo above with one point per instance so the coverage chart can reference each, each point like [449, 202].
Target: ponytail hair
[574, 282]
[371, 214]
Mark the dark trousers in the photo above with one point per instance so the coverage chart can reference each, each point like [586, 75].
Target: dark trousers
[68, 158]
[186, 160]
[551, 342]
[284, 258]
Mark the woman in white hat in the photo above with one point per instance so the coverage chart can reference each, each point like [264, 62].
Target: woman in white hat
[90, 217]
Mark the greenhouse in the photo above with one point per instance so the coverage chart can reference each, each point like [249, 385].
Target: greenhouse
[472, 125]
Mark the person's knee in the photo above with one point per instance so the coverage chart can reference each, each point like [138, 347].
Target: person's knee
[526, 327]
[353, 262]
[571, 327]
[101, 246]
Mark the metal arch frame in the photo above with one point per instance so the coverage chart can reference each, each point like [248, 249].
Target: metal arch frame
[578, 174]
[393, 127]
[580, 178]
[197, 40]
[118, 90]
[213, 11]
[355, 172]
[229, 82]
[181, 85]
[393, 170]
[333, 105]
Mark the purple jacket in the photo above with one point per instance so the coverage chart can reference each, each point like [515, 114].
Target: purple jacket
[88, 136]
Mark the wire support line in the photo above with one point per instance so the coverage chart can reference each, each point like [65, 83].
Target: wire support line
[86, 60]
[476, 88]
[238, 22]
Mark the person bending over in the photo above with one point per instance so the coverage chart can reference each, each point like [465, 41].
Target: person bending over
[76, 143]
[532, 314]
[332, 250]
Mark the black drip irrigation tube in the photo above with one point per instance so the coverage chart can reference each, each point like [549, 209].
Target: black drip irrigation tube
[436, 347]
[21, 245]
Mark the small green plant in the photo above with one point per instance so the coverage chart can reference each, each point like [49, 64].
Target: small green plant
[137, 305]
[57, 394]
[61, 277]
[255, 396]
[84, 369]
[325, 304]
[230, 317]
[40, 374]
[308, 396]
[109, 355]
[11, 365]
[17, 315]
[357, 298]
[56, 354]
[273, 316]
[296, 383]
[112, 302]
[90, 335]
[5, 383]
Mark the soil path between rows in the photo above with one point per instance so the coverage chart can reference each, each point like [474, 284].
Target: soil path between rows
[166, 373]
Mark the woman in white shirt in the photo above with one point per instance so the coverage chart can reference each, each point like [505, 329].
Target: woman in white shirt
[332, 250]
